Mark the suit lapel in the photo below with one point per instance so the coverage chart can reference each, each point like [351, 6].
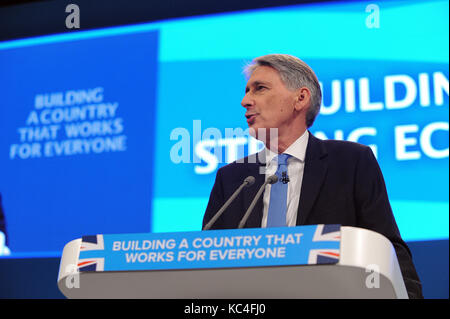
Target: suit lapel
[316, 165]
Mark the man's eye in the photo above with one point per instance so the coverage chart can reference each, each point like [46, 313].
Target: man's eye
[260, 87]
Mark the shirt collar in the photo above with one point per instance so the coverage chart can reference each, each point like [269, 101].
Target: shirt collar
[296, 149]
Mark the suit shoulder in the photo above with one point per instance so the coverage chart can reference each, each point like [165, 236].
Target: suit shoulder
[346, 146]
[346, 151]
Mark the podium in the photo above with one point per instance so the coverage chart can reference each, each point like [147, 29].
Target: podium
[363, 265]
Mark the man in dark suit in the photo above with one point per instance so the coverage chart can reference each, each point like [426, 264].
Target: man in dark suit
[329, 182]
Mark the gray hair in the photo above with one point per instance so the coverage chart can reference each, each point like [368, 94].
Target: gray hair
[295, 74]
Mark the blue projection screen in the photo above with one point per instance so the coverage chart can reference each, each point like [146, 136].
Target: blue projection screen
[122, 130]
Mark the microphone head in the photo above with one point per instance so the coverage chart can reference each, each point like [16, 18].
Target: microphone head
[250, 180]
[272, 179]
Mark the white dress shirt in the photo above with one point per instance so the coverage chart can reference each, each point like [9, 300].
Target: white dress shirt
[295, 168]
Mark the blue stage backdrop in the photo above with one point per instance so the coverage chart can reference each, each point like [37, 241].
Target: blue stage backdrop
[121, 130]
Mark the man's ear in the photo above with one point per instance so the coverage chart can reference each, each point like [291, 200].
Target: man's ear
[303, 99]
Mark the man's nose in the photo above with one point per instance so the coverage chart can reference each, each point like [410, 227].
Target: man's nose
[247, 101]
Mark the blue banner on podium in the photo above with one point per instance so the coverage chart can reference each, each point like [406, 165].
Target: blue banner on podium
[253, 247]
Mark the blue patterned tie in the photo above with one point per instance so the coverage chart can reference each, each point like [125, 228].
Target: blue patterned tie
[278, 195]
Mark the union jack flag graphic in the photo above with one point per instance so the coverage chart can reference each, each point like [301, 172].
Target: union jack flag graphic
[325, 256]
[92, 242]
[327, 233]
[91, 264]
[88, 243]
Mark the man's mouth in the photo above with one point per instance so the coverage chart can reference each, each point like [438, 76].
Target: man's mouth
[251, 117]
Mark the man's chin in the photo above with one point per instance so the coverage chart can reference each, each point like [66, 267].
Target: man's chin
[256, 132]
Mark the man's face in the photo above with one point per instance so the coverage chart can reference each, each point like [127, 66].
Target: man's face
[269, 103]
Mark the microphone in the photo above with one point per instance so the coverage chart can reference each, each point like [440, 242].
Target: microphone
[248, 181]
[270, 180]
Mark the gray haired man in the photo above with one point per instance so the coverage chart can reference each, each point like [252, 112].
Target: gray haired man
[328, 182]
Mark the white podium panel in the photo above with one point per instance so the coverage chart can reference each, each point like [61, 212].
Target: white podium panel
[367, 268]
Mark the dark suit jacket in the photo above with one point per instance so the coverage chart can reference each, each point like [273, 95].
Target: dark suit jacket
[342, 184]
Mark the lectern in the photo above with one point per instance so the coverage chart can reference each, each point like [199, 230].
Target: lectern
[314, 261]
